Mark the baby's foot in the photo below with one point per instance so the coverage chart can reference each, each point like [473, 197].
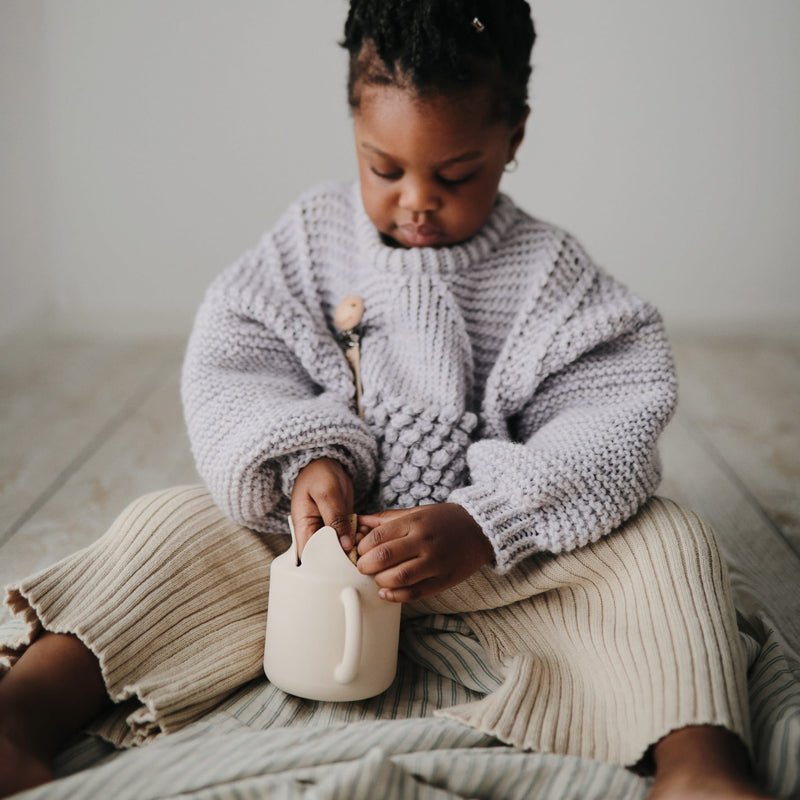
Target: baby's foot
[19, 770]
[703, 762]
[705, 789]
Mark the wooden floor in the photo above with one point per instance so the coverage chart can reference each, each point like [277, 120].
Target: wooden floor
[86, 425]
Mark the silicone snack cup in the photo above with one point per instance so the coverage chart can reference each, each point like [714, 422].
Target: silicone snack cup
[329, 635]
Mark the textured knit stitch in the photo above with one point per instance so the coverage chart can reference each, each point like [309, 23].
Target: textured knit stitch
[508, 374]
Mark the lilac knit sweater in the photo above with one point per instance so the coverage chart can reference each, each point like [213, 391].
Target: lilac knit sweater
[508, 374]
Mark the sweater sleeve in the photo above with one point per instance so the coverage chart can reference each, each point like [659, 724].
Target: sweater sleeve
[266, 390]
[580, 456]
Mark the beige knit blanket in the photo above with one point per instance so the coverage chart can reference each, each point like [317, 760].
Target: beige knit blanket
[600, 651]
[608, 647]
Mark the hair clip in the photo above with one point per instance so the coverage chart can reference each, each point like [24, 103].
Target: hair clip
[478, 25]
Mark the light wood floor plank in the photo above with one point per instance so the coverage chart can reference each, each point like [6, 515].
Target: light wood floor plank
[58, 400]
[765, 571]
[148, 451]
[742, 398]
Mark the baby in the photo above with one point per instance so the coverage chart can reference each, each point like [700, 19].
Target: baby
[501, 457]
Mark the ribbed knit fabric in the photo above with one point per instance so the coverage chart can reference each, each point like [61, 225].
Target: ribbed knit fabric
[608, 648]
[603, 650]
[172, 599]
[507, 373]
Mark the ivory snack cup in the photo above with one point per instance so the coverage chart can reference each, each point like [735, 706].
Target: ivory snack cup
[329, 635]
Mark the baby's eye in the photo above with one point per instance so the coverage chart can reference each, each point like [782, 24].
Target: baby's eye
[456, 181]
[389, 176]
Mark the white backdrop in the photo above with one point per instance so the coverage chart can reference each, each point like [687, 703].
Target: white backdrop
[147, 143]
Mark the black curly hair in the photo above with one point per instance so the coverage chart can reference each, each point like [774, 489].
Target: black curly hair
[442, 46]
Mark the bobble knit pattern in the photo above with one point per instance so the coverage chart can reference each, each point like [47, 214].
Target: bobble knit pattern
[508, 374]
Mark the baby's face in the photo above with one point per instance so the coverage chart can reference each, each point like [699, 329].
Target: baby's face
[429, 169]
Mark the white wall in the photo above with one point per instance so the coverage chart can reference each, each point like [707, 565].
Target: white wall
[666, 135]
[147, 143]
[24, 174]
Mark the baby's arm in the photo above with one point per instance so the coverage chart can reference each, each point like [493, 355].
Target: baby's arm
[266, 390]
[421, 551]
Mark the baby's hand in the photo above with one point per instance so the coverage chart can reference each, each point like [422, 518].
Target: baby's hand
[421, 551]
[322, 495]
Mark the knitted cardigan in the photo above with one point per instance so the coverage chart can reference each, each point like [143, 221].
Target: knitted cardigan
[508, 374]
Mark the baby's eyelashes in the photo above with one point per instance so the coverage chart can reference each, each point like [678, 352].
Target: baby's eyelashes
[441, 179]
[389, 176]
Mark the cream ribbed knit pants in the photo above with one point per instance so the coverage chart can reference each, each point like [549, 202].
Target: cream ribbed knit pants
[603, 650]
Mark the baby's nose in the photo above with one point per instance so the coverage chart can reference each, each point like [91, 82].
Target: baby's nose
[419, 197]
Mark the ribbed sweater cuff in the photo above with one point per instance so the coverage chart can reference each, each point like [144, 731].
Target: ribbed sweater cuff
[291, 465]
[550, 528]
[508, 529]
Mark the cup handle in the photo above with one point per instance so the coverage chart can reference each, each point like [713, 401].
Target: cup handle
[346, 671]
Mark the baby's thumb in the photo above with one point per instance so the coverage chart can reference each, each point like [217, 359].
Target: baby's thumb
[304, 528]
[345, 526]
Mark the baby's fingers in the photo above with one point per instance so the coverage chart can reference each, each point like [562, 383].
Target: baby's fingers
[382, 517]
[405, 594]
[383, 548]
[399, 574]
